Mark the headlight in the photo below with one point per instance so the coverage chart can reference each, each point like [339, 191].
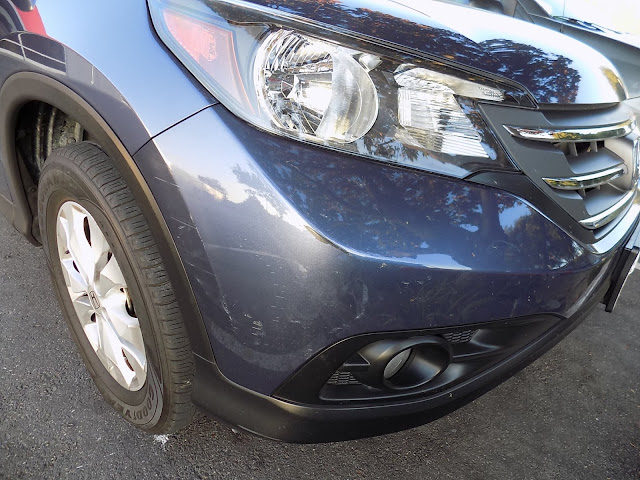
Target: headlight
[293, 78]
[314, 88]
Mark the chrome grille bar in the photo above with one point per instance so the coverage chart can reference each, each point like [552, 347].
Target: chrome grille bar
[590, 180]
[587, 134]
[610, 213]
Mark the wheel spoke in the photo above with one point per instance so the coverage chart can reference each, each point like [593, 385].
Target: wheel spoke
[112, 347]
[92, 332]
[83, 307]
[100, 346]
[79, 246]
[73, 278]
[110, 278]
[127, 327]
[136, 360]
[99, 247]
[64, 234]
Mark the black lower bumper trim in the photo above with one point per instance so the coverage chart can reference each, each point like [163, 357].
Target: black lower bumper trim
[626, 263]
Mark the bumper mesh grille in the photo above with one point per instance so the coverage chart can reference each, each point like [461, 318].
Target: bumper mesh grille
[459, 337]
[343, 378]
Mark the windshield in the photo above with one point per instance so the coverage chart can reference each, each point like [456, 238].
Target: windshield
[619, 15]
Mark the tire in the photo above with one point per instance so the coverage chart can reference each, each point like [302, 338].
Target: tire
[125, 300]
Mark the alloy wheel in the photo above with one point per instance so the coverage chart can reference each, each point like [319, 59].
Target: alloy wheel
[100, 296]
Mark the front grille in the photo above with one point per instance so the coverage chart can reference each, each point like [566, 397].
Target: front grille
[581, 163]
[592, 167]
[599, 169]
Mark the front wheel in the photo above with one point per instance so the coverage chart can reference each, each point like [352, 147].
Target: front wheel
[114, 290]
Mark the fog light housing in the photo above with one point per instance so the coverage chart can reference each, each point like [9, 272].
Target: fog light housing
[396, 363]
[403, 364]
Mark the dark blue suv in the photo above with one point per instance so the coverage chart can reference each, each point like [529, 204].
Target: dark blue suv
[315, 220]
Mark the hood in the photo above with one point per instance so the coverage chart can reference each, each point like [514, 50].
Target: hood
[622, 49]
[554, 68]
[628, 38]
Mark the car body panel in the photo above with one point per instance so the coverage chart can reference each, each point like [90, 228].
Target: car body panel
[617, 48]
[307, 247]
[129, 90]
[142, 71]
[132, 83]
[135, 110]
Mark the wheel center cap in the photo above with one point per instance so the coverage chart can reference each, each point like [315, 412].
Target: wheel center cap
[93, 298]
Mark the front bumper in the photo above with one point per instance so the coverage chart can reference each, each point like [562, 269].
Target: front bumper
[291, 249]
[279, 419]
[285, 419]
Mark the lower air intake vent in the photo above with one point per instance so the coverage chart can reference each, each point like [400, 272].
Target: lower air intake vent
[343, 378]
[388, 366]
[459, 337]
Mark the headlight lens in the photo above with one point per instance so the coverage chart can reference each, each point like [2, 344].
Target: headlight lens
[341, 93]
[314, 88]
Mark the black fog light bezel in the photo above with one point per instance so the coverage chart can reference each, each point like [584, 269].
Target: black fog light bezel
[429, 357]
[489, 344]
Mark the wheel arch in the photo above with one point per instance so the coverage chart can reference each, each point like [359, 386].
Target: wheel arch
[25, 87]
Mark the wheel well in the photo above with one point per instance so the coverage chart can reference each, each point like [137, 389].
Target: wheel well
[40, 129]
[20, 98]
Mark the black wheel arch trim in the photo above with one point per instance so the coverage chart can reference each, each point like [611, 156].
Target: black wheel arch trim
[24, 87]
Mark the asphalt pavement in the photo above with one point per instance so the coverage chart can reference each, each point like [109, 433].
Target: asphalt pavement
[573, 414]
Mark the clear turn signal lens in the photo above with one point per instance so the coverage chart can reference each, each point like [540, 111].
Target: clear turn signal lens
[314, 88]
[431, 115]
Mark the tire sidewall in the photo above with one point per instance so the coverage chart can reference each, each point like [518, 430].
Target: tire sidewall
[62, 181]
